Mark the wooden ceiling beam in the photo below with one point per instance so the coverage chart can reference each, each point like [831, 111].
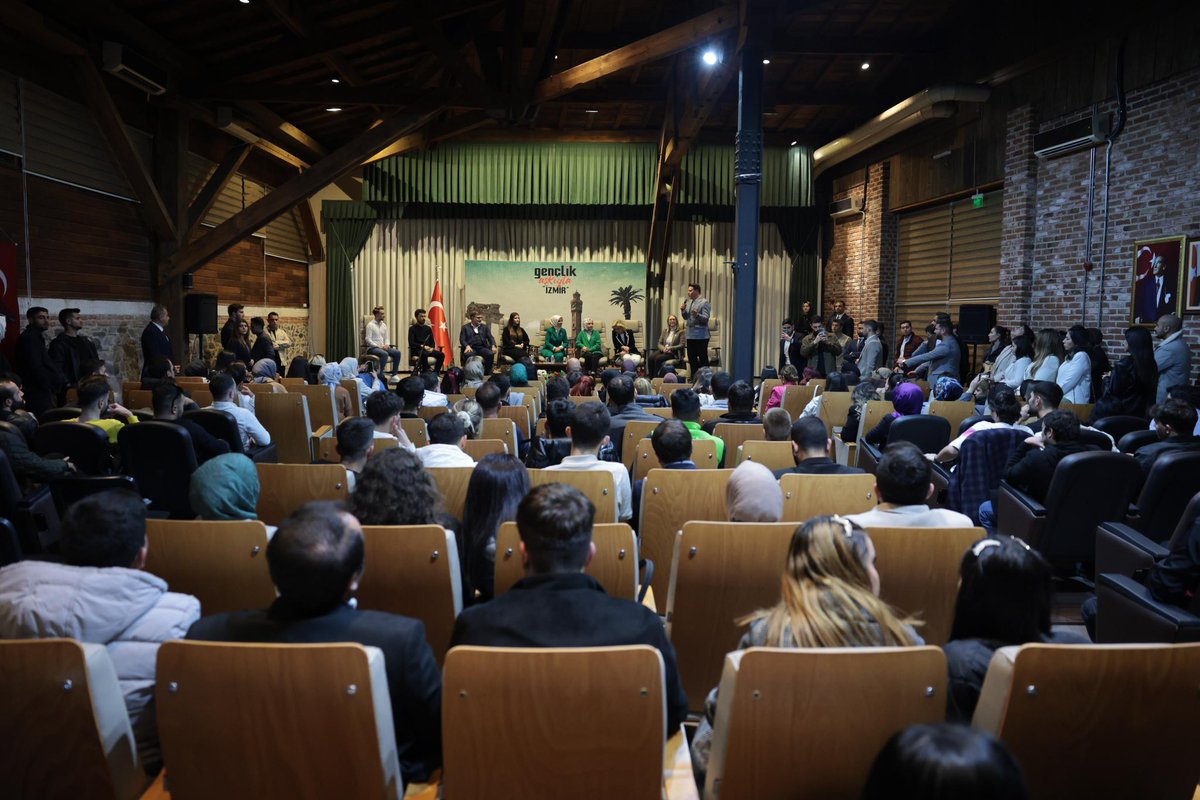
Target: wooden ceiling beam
[447, 52]
[394, 93]
[651, 48]
[108, 119]
[203, 203]
[346, 158]
[450, 128]
[45, 32]
[312, 231]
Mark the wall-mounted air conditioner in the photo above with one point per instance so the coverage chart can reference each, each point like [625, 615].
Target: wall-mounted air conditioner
[1087, 132]
[132, 69]
[847, 206]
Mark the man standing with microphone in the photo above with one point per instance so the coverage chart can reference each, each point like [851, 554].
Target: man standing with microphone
[696, 310]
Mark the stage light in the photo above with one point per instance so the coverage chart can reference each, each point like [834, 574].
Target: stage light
[710, 57]
[866, 65]
[333, 108]
[334, 80]
[766, 61]
[591, 111]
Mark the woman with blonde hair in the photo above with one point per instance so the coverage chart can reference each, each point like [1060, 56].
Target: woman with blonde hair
[670, 342]
[555, 347]
[1048, 355]
[829, 597]
[624, 347]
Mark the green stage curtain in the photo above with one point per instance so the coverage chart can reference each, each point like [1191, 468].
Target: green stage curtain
[347, 228]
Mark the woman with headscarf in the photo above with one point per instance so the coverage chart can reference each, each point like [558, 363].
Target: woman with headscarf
[589, 346]
[298, 368]
[518, 376]
[907, 401]
[226, 488]
[753, 494]
[349, 366]
[473, 373]
[331, 375]
[555, 347]
[265, 370]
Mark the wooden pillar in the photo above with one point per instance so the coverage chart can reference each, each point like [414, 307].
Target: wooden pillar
[170, 176]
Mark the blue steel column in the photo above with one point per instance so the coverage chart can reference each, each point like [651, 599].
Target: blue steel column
[748, 183]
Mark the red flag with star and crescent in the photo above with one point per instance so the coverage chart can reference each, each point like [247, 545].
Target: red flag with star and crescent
[437, 320]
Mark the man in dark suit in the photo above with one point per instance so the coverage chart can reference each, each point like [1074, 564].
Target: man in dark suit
[476, 339]
[622, 410]
[264, 346]
[789, 345]
[672, 443]
[41, 379]
[556, 604]
[155, 343]
[316, 562]
[237, 313]
[169, 403]
[840, 316]
[907, 344]
[810, 449]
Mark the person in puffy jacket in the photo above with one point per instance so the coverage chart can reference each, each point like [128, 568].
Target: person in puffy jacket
[101, 595]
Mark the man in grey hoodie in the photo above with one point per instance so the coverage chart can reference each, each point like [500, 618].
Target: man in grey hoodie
[101, 595]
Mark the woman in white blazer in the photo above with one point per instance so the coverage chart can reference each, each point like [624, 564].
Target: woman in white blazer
[1047, 355]
[1075, 373]
[1014, 374]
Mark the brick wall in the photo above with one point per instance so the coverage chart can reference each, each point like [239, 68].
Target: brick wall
[861, 266]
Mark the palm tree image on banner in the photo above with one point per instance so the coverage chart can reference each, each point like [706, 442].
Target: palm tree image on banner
[538, 290]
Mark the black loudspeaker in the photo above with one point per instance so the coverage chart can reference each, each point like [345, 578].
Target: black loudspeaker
[974, 322]
[200, 313]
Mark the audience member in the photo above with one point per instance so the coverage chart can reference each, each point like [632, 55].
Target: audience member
[265, 373]
[504, 383]
[224, 394]
[471, 414]
[903, 486]
[672, 443]
[907, 344]
[155, 342]
[489, 396]
[821, 349]
[41, 380]
[446, 438]
[279, 340]
[556, 444]
[239, 342]
[844, 320]
[384, 410]
[473, 373]
[1132, 385]
[777, 425]
[556, 604]
[496, 487]
[1000, 352]
[753, 495]
[871, 356]
[12, 407]
[741, 408]
[1004, 598]
[226, 488]
[1172, 357]
[1018, 367]
[331, 375]
[412, 392]
[835, 383]
[169, 402]
[685, 407]
[720, 383]
[830, 598]
[623, 409]
[264, 345]
[862, 394]
[27, 466]
[1101, 366]
[432, 397]
[588, 429]
[1048, 354]
[1005, 411]
[237, 314]
[944, 762]
[1184, 393]
[789, 344]
[810, 449]
[95, 401]
[355, 444]
[394, 489]
[943, 358]
[788, 377]
[907, 400]
[316, 562]
[100, 594]
[70, 349]
[1175, 423]
[1075, 373]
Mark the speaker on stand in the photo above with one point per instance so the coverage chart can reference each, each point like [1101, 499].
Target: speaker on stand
[200, 317]
[975, 321]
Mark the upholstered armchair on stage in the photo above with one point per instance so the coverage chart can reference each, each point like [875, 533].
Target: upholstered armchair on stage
[714, 342]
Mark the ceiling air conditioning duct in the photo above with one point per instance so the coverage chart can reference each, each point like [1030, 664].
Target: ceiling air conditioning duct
[132, 69]
[846, 207]
[1079, 135]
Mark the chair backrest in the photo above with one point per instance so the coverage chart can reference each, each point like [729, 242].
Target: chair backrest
[671, 497]
[635, 431]
[1128, 712]
[515, 722]
[129, 386]
[503, 429]
[429, 412]
[69, 489]
[220, 424]
[772, 455]
[834, 408]
[734, 434]
[764, 393]
[954, 411]
[417, 431]
[614, 565]
[61, 414]
[667, 388]
[230, 725]
[871, 416]
[1095, 438]
[721, 572]
[771, 702]
[86, 444]
[351, 386]
[413, 570]
[927, 431]
[478, 448]
[201, 394]
[806, 496]
[452, 483]
[291, 384]
[704, 455]
[139, 398]
[1081, 410]
[709, 414]
[1173, 481]
[1118, 426]
[662, 413]
[599, 485]
[520, 415]
[322, 407]
[918, 573]
[64, 723]
[160, 457]
[795, 398]
[222, 564]
[286, 487]
[1087, 489]
[1130, 442]
[285, 416]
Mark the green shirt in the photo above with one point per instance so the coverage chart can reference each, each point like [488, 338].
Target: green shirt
[588, 341]
[698, 433]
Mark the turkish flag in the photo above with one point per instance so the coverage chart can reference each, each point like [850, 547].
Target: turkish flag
[437, 319]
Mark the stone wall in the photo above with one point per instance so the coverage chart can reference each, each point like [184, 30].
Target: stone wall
[292, 320]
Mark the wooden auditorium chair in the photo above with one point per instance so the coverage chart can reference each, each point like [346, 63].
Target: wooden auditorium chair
[222, 564]
[806, 496]
[598, 485]
[286, 418]
[452, 483]
[704, 455]
[478, 448]
[614, 566]
[286, 487]
[635, 431]
[772, 455]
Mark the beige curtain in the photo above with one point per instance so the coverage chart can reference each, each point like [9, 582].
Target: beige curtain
[398, 265]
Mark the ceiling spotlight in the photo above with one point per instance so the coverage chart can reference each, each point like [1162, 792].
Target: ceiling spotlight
[591, 111]
[866, 65]
[244, 2]
[793, 144]
[334, 80]
[333, 108]
[766, 61]
[556, 56]
[710, 57]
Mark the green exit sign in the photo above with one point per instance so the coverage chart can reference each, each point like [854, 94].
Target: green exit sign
[977, 200]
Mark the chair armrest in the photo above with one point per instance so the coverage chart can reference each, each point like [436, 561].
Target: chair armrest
[322, 432]
[1121, 550]
[1026, 502]
[1128, 613]
[1018, 514]
[941, 471]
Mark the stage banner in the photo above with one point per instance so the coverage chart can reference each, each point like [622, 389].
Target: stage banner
[602, 291]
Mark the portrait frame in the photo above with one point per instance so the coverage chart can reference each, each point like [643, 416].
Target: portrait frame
[1146, 303]
[1191, 295]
